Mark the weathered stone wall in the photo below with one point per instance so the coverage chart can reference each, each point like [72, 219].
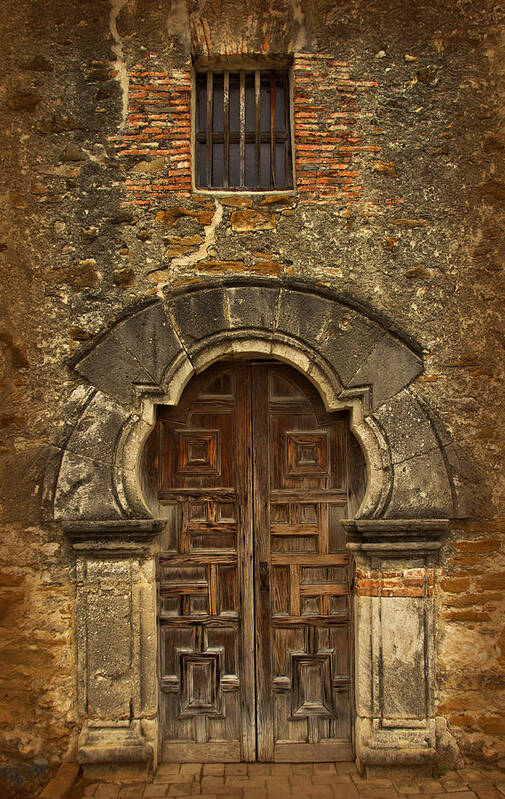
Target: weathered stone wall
[399, 131]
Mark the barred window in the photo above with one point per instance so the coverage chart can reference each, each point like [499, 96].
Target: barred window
[242, 130]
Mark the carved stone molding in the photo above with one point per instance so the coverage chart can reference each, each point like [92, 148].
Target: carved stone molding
[356, 361]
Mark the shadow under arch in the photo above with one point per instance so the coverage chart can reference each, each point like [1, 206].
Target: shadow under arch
[236, 344]
[150, 455]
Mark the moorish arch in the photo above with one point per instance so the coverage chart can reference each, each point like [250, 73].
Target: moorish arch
[357, 364]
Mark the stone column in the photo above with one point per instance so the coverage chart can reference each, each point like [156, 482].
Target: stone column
[395, 638]
[116, 645]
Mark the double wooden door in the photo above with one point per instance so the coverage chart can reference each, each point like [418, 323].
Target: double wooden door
[254, 589]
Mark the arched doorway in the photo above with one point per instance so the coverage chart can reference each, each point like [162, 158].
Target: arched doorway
[109, 508]
[253, 477]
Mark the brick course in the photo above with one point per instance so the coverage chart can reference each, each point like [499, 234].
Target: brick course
[158, 124]
[326, 113]
[405, 583]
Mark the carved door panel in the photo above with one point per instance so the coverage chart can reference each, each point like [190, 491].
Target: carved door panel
[303, 608]
[254, 608]
[205, 571]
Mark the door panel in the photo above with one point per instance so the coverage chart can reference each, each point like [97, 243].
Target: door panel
[205, 573]
[303, 596]
[254, 605]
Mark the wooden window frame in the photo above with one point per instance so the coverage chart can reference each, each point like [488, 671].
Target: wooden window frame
[225, 66]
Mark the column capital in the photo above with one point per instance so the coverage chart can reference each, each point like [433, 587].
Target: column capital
[112, 537]
[409, 537]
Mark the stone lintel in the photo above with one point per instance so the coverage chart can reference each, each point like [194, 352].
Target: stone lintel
[120, 753]
[395, 526]
[412, 548]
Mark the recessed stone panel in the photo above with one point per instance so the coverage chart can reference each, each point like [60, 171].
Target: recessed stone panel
[403, 659]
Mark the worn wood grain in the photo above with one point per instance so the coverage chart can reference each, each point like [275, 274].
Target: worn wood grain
[254, 616]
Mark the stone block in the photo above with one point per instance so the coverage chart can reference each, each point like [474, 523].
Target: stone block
[236, 202]
[337, 332]
[390, 367]
[170, 216]
[112, 368]
[123, 277]
[252, 306]
[85, 490]
[420, 485]
[408, 429]
[97, 431]
[248, 219]
[199, 314]
[79, 276]
[149, 336]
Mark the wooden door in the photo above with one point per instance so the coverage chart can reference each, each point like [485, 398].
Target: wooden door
[303, 611]
[254, 611]
[206, 597]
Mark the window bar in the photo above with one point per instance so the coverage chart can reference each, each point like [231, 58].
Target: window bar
[242, 128]
[210, 92]
[257, 92]
[287, 127]
[226, 96]
[272, 129]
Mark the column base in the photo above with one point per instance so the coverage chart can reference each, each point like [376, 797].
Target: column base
[395, 746]
[109, 750]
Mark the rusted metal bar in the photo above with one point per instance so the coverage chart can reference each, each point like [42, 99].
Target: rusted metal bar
[226, 125]
[210, 92]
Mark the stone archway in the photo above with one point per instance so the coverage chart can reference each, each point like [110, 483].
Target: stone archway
[355, 362]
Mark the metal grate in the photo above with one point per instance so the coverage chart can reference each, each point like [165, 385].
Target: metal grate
[243, 136]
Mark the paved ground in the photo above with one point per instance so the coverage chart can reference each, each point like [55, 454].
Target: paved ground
[304, 781]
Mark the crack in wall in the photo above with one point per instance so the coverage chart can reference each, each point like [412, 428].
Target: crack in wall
[210, 238]
[117, 49]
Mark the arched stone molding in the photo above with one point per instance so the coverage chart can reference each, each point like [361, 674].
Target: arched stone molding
[357, 362]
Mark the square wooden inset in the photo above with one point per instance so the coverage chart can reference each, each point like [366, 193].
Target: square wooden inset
[309, 513]
[200, 681]
[198, 452]
[311, 686]
[307, 454]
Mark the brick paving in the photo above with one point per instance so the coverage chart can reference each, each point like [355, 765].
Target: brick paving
[301, 780]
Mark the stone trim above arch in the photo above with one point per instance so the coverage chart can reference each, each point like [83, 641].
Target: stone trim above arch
[355, 360]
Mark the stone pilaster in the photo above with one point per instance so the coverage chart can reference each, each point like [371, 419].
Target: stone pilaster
[116, 643]
[395, 638]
